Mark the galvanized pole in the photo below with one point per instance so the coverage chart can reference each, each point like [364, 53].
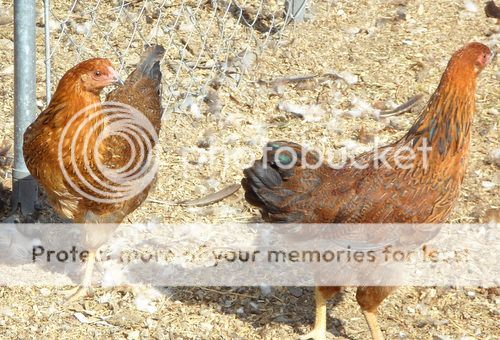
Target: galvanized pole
[295, 10]
[24, 188]
[46, 13]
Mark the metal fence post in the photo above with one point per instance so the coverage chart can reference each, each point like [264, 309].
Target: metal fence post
[295, 9]
[46, 14]
[24, 187]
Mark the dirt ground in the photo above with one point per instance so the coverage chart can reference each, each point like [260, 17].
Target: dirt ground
[386, 52]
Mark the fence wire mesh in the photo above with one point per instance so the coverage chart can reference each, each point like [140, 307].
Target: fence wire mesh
[209, 43]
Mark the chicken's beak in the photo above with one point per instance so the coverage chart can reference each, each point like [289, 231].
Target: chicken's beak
[116, 77]
[119, 81]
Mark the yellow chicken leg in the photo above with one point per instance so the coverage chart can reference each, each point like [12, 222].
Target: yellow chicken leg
[319, 330]
[371, 320]
[85, 288]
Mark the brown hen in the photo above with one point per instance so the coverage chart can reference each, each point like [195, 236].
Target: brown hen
[86, 154]
[384, 192]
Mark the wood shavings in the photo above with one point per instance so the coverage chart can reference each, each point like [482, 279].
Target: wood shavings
[5, 20]
[5, 157]
[310, 113]
[384, 69]
[494, 157]
[365, 137]
[346, 76]
[207, 140]
[492, 215]
[7, 71]
[7, 44]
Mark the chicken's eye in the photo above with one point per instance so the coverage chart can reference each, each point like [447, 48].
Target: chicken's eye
[97, 73]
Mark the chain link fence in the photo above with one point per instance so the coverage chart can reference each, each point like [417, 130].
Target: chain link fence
[209, 43]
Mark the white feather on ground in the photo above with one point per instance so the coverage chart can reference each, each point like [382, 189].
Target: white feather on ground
[310, 113]
[470, 6]
[145, 298]
[360, 107]
[348, 77]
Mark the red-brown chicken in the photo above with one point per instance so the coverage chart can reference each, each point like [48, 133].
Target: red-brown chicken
[425, 192]
[78, 149]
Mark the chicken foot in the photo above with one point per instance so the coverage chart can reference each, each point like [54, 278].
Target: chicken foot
[85, 288]
[371, 320]
[319, 330]
[321, 295]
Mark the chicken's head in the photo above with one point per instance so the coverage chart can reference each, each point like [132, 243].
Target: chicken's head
[475, 55]
[95, 74]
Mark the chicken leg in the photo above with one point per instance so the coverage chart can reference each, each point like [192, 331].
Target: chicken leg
[85, 288]
[369, 298]
[95, 231]
[371, 320]
[321, 295]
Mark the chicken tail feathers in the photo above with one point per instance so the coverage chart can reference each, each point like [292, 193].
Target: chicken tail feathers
[278, 184]
[149, 66]
[142, 89]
